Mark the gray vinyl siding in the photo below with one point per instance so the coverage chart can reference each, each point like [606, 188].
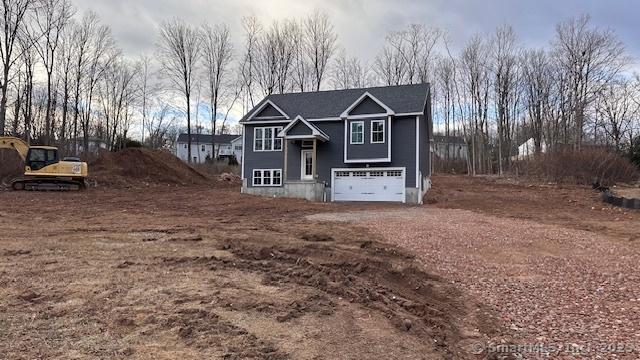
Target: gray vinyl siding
[299, 129]
[403, 146]
[331, 154]
[367, 106]
[294, 166]
[368, 150]
[259, 159]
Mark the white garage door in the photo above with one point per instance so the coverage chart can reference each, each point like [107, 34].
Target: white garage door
[368, 184]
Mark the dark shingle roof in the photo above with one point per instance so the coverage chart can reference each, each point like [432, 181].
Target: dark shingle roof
[206, 138]
[331, 103]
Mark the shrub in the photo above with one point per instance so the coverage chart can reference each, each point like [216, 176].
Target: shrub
[217, 167]
[583, 166]
[634, 151]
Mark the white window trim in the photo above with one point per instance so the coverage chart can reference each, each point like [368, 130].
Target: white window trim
[253, 178]
[274, 130]
[384, 128]
[389, 139]
[351, 142]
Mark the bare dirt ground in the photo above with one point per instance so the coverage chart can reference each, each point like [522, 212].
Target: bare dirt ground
[556, 264]
[166, 272]
[569, 206]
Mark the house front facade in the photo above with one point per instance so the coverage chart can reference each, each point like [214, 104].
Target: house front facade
[370, 144]
[202, 148]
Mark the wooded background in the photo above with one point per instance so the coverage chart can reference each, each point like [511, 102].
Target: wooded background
[64, 77]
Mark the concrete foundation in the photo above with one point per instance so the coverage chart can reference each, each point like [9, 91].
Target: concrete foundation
[312, 191]
[317, 191]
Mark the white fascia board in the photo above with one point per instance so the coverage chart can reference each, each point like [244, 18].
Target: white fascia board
[355, 161]
[263, 122]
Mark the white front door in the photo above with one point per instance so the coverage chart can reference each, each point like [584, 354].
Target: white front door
[306, 165]
[368, 184]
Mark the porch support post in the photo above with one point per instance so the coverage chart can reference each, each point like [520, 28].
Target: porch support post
[313, 160]
[286, 152]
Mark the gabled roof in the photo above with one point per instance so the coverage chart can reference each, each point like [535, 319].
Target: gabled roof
[362, 98]
[206, 138]
[265, 104]
[315, 132]
[332, 103]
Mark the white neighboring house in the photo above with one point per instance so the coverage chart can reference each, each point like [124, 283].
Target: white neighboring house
[201, 148]
[237, 148]
[528, 149]
[95, 144]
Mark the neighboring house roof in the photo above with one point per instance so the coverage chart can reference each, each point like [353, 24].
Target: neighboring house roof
[206, 138]
[91, 139]
[449, 139]
[332, 103]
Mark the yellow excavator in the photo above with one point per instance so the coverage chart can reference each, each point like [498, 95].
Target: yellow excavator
[43, 168]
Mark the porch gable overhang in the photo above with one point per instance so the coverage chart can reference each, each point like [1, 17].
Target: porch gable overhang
[315, 133]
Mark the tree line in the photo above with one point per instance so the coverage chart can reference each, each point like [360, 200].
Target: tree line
[65, 81]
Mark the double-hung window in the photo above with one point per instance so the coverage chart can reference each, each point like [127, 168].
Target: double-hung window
[267, 177]
[357, 132]
[377, 131]
[266, 139]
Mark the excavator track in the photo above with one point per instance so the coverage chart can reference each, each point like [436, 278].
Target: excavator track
[50, 184]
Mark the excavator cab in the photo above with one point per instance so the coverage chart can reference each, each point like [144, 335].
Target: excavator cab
[40, 157]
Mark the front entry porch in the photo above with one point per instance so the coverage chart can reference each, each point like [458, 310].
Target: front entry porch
[300, 163]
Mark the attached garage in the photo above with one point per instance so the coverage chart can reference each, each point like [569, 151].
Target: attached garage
[368, 184]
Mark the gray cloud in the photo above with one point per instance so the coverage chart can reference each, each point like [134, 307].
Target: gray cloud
[362, 24]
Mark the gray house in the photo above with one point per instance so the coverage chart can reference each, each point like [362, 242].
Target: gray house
[369, 144]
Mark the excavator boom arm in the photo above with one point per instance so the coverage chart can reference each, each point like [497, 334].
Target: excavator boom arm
[8, 142]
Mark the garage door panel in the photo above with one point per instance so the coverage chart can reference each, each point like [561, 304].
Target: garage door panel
[368, 185]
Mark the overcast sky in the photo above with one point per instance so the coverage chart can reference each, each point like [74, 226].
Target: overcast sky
[362, 24]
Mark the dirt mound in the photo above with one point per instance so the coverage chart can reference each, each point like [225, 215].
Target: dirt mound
[138, 166]
[11, 165]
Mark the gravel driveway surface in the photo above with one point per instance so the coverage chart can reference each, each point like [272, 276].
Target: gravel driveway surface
[564, 292]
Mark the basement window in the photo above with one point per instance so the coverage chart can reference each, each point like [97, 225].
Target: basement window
[267, 177]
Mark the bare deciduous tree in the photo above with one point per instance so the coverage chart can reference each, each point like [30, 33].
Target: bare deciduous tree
[51, 16]
[618, 109]
[321, 44]
[591, 58]
[504, 63]
[11, 28]
[217, 51]
[538, 82]
[179, 54]
[348, 72]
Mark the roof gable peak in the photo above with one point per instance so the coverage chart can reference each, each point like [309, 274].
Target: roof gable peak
[263, 106]
[367, 95]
